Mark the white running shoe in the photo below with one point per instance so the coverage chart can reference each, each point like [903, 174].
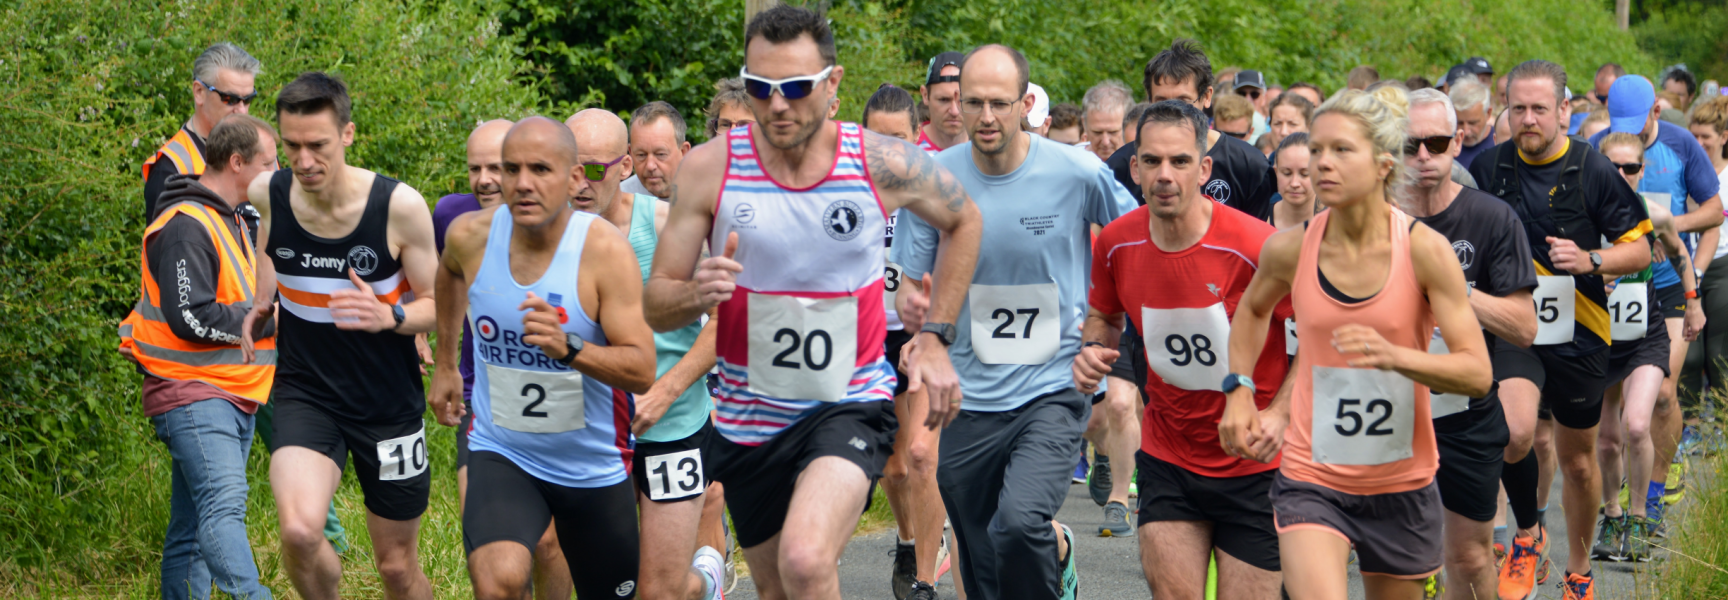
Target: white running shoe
[709, 564]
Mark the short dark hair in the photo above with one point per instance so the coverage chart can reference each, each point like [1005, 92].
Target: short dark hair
[1613, 69]
[1132, 115]
[1021, 67]
[1539, 69]
[1362, 76]
[234, 134]
[1296, 101]
[1416, 82]
[1066, 114]
[648, 113]
[315, 92]
[1682, 76]
[1182, 60]
[1292, 140]
[889, 98]
[1175, 112]
[1303, 84]
[785, 23]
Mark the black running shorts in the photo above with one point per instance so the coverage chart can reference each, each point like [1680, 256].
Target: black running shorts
[1672, 301]
[1239, 508]
[1472, 453]
[895, 342]
[390, 461]
[1652, 349]
[1571, 386]
[673, 471]
[1397, 535]
[596, 526]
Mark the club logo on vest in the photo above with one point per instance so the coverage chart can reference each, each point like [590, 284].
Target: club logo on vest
[744, 213]
[842, 220]
[1219, 190]
[363, 259]
[487, 328]
[285, 253]
[1466, 253]
[625, 588]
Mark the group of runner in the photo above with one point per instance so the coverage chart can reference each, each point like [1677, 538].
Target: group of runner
[959, 351]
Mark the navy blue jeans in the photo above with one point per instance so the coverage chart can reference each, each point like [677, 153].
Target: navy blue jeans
[209, 441]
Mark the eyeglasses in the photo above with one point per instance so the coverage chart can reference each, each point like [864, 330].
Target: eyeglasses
[974, 106]
[728, 124]
[596, 171]
[791, 88]
[1436, 145]
[1630, 168]
[1241, 135]
[227, 98]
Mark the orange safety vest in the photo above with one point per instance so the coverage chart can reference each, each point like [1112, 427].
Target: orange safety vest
[182, 151]
[146, 333]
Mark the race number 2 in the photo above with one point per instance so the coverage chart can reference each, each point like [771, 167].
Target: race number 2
[403, 457]
[1362, 416]
[675, 475]
[535, 401]
[802, 348]
[1015, 324]
[1555, 299]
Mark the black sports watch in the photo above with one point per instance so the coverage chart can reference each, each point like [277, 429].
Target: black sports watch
[1595, 262]
[575, 343]
[944, 331]
[1236, 380]
[400, 315]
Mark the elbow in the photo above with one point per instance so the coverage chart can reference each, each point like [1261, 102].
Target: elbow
[641, 374]
[1481, 383]
[1525, 335]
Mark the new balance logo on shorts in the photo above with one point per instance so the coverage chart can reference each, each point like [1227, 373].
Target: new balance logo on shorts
[858, 443]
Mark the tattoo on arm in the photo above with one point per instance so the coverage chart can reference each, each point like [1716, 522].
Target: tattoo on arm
[901, 166]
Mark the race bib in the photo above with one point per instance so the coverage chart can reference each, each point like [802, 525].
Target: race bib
[890, 284]
[536, 401]
[1362, 416]
[1290, 336]
[1555, 298]
[1186, 347]
[802, 348]
[675, 475]
[403, 457]
[1627, 311]
[1015, 324]
[1444, 404]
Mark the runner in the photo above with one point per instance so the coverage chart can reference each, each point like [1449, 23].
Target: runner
[657, 146]
[1637, 363]
[1019, 428]
[941, 94]
[728, 108]
[1359, 456]
[1181, 287]
[560, 357]
[1241, 177]
[351, 252]
[795, 204]
[909, 478]
[671, 424]
[1491, 248]
[1566, 368]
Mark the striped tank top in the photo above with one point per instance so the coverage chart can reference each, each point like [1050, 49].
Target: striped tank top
[1359, 431]
[805, 327]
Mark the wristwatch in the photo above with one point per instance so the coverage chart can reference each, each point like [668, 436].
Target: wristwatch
[400, 315]
[1236, 380]
[1595, 262]
[943, 331]
[575, 343]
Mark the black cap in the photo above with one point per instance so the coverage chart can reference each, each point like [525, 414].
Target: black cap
[933, 75]
[1458, 71]
[1249, 78]
[1478, 66]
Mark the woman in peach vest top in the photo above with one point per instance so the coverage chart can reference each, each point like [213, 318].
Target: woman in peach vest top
[1359, 461]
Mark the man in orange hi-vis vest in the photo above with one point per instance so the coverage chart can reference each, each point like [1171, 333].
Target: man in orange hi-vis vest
[222, 79]
[200, 392]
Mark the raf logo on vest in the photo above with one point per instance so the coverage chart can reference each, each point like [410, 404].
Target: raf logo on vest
[842, 220]
[363, 259]
[1219, 190]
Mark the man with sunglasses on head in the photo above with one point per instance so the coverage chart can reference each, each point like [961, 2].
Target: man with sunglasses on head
[1492, 249]
[1005, 458]
[795, 209]
[941, 94]
[222, 79]
[671, 423]
[1241, 177]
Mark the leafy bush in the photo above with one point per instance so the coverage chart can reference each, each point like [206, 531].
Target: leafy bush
[90, 89]
[1688, 32]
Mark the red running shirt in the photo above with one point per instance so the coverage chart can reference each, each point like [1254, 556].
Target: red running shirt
[1182, 302]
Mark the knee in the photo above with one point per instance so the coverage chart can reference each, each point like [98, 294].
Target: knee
[1578, 466]
[1469, 560]
[1119, 407]
[1519, 445]
[921, 459]
[398, 572]
[895, 471]
[495, 586]
[548, 550]
[804, 566]
[1637, 428]
[302, 537]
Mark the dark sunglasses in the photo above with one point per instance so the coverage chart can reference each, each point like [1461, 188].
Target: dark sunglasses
[227, 98]
[792, 88]
[1238, 135]
[596, 171]
[1630, 168]
[1251, 94]
[1436, 145]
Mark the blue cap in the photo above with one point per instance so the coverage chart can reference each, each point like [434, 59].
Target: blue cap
[1577, 123]
[1629, 103]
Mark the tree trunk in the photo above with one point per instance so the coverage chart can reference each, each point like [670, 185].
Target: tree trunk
[1623, 13]
[751, 7]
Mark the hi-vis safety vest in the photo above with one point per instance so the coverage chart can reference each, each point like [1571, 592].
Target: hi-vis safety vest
[182, 151]
[146, 333]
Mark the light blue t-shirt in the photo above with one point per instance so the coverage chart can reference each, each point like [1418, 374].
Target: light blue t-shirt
[1035, 260]
[1675, 165]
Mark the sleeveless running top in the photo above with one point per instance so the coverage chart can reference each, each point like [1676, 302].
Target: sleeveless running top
[553, 422]
[805, 327]
[687, 414]
[354, 375]
[1359, 431]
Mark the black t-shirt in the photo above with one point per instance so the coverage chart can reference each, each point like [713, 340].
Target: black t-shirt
[1491, 247]
[1241, 177]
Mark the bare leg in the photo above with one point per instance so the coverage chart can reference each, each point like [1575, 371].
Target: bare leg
[395, 551]
[712, 531]
[1520, 399]
[669, 532]
[303, 482]
[1122, 435]
[802, 561]
[1173, 555]
[1381, 587]
[1632, 435]
[1315, 564]
[499, 571]
[1581, 494]
[1237, 579]
[551, 571]
[909, 481]
[1667, 420]
[1610, 448]
[1470, 573]
[1545, 461]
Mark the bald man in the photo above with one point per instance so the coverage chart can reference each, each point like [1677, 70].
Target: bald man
[672, 424]
[559, 356]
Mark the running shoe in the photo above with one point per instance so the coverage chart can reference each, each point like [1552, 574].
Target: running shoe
[1115, 521]
[1610, 539]
[905, 573]
[1070, 576]
[1691, 441]
[1080, 470]
[1134, 486]
[1578, 587]
[1676, 490]
[1637, 543]
[1518, 574]
[731, 568]
[1499, 555]
[709, 563]
[942, 558]
[1431, 587]
[1654, 513]
[922, 591]
[1099, 482]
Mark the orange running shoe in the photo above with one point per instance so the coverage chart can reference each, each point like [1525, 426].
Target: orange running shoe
[1545, 567]
[1579, 587]
[1518, 573]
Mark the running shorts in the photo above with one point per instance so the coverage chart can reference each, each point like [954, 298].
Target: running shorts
[672, 471]
[759, 479]
[596, 526]
[397, 491]
[1571, 386]
[1472, 453]
[1239, 508]
[1397, 535]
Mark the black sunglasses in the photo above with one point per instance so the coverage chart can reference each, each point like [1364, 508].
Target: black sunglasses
[227, 98]
[1436, 145]
[1630, 168]
[1250, 93]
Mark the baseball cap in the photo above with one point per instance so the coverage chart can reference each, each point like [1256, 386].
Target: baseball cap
[1458, 71]
[1249, 78]
[1478, 66]
[1629, 103]
[934, 74]
[1040, 105]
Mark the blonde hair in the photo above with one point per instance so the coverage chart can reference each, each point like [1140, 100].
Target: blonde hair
[1622, 139]
[1384, 115]
[1229, 107]
[1713, 112]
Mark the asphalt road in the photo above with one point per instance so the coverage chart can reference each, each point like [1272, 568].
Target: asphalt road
[1110, 567]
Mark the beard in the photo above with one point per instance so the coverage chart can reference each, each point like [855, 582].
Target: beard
[1533, 148]
[806, 130]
